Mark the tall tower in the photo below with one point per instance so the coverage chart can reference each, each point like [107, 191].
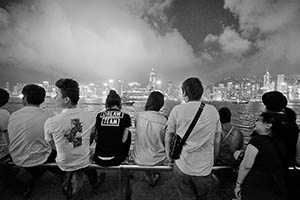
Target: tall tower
[267, 78]
[152, 80]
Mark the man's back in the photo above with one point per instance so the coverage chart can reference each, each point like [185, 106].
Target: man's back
[198, 154]
[71, 130]
[231, 141]
[27, 144]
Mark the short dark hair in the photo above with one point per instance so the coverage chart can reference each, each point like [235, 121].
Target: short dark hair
[34, 94]
[4, 97]
[113, 99]
[155, 101]
[225, 115]
[69, 88]
[193, 89]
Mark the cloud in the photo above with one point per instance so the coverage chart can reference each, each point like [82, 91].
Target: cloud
[92, 38]
[274, 28]
[230, 41]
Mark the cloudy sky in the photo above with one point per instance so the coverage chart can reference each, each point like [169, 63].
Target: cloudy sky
[94, 40]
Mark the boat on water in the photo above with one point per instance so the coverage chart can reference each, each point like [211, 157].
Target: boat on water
[240, 102]
[101, 101]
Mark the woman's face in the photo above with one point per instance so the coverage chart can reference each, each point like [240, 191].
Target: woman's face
[262, 128]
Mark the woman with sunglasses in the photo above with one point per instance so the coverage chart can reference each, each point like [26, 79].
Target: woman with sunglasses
[262, 172]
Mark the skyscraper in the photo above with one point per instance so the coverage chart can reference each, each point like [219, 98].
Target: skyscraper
[152, 80]
[267, 78]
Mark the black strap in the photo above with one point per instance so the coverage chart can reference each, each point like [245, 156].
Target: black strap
[188, 132]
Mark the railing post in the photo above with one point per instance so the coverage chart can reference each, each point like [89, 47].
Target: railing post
[125, 184]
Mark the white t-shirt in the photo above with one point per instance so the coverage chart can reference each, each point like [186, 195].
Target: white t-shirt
[197, 156]
[28, 146]
[149, 148]
[4, 117]
[71, 130]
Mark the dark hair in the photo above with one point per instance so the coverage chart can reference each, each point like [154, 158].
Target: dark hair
[291, 114]
[113, 99]
[225, 115]
[34, 94]
[4, 97]
[69, 88]
[274, 119]
[155, 101]
[193, 89]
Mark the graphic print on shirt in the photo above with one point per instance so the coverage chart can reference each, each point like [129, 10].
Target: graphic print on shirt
[111, 118]
[70, 134]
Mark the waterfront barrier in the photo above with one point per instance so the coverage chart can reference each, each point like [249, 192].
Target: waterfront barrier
[126, 173]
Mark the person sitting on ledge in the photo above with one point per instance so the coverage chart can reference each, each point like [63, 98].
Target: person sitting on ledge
[28, 147]
[231, 139]
[69, 132]
[113, 137]
[149, 148]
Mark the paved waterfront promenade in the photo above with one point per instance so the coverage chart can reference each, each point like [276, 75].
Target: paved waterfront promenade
[49, 187]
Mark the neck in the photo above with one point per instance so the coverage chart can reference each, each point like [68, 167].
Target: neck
[227, 126]
[69, 106]
[114, 107]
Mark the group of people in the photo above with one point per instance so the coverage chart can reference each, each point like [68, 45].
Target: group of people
[32, 136]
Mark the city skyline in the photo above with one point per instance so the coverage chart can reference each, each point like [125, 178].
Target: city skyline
[242, 89]
[88, 41]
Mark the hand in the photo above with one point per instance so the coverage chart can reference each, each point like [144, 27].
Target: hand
[237, 192]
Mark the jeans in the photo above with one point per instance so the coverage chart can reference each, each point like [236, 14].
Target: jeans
[194, 187]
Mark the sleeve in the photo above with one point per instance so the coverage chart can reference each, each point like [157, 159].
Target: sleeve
[127, 121]
[256, 142]
[171, 123]
[219, 127]
[47, 131]
[98, 121]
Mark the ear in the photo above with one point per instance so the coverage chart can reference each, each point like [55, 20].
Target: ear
[268, 126]
[67, 100]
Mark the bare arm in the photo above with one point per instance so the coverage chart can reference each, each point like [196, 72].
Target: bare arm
[245, 167]
[51, 142]
[125, 135]
[168, 137]
[217, 145]
[298, 152]
[5, 133]
[93, 135]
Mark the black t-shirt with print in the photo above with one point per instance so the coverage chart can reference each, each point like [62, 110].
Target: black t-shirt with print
[110, 126]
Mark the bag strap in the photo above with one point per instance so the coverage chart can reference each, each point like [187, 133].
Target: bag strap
[227, 134]
[188, 132]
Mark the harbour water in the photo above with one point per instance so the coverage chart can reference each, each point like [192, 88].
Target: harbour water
[242, 114]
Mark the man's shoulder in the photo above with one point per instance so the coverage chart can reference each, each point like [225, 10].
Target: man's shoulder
[4, 112]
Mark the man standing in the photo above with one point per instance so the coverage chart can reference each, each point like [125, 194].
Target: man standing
[193, 168]
[69, 133]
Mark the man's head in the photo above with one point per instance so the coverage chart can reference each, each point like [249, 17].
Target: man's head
[68, 92]
[274, 101]
[4, 97]
[225, 115]
[33, 95]
[192, 89]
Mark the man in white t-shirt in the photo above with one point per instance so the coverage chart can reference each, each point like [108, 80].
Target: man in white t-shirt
[69, 132]
[28, 147]
[4, 117]
[193, 169]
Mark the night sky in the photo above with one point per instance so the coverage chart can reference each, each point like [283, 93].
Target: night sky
[96, 40]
